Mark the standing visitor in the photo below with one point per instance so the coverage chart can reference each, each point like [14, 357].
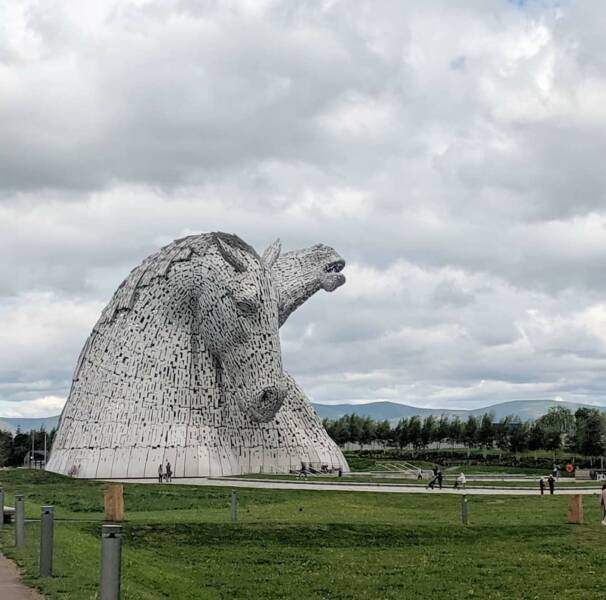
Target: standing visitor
[551, 482]
[160, 473]
[542, 485]
[439, 477]
[603, 503]
[169, 472]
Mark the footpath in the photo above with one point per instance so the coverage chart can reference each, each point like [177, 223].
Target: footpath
[11, 587]
[359, 487]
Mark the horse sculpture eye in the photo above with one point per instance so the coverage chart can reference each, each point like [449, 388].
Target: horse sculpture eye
[246, 307]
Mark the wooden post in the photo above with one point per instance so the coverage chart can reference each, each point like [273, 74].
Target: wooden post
[575, 509]
[114, 503]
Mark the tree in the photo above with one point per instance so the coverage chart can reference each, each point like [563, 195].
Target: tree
[354, 425]
[414, 432]
[401, 433]
[368, 431]
[502, 433]
[6, 444]
[338, 430]
[21, 447]
[470, 431]
[518, 435]
[537, 436]
[589, 431]
[486, 431]
[560, 419]
[442, 432]
[384, 432]
[455, 431]
[427, 430]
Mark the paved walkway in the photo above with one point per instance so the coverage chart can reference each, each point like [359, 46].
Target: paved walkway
[11, 587]
[349, 487]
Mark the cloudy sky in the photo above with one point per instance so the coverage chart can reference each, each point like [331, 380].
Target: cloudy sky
[450, 151]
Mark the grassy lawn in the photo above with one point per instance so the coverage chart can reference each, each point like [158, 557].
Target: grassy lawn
[307, 544]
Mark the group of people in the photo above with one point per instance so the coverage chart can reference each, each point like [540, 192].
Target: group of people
[550, 481]
[438, 478]
[165, 474]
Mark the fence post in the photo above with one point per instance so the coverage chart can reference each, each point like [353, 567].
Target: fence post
[2, 508]
[46, 541]
[464, 512]
[19, 520]
[234, 507]
[111, 561]
[114, 502]
[575, 509]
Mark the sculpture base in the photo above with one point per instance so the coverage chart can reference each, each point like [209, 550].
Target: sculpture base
[293, 438]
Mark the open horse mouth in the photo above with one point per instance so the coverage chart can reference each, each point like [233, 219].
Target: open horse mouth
[332, 278]
[335, 267]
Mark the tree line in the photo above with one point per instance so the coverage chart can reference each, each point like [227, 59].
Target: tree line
[583, 431]
[14, 448]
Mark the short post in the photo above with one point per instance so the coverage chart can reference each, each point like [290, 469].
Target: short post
[575, 509]
[464, 511]
[111, 561]
[2, 508]
[114, 502]
[234, 507]
[46, 541]
[19, 520]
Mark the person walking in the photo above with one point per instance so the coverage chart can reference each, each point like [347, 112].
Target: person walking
[603, 503]
[439, 477]
[551, 482]
[460, 482]
[160, 473]
[169, 472]
[542, 485]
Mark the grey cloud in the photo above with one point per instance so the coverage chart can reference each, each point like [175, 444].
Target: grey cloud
[450, 153]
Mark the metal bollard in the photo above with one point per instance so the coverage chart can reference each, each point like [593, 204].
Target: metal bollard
[234, 507]
[46, 541]
[464, 512]
[111, 561]
[2, 508]
[19, 520]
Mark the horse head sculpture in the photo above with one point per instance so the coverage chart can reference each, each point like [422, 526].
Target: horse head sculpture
[184, 365]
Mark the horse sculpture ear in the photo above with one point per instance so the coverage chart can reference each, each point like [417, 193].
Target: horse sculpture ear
[227, 252]
[270, 256]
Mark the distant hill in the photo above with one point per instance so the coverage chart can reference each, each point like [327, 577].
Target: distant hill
[524, 409]
[25, 425]
[392, 411]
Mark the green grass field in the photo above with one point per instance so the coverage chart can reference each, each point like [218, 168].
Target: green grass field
[180, 544]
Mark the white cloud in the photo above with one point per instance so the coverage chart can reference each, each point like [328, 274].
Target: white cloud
[40, 407]
[451, 153]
